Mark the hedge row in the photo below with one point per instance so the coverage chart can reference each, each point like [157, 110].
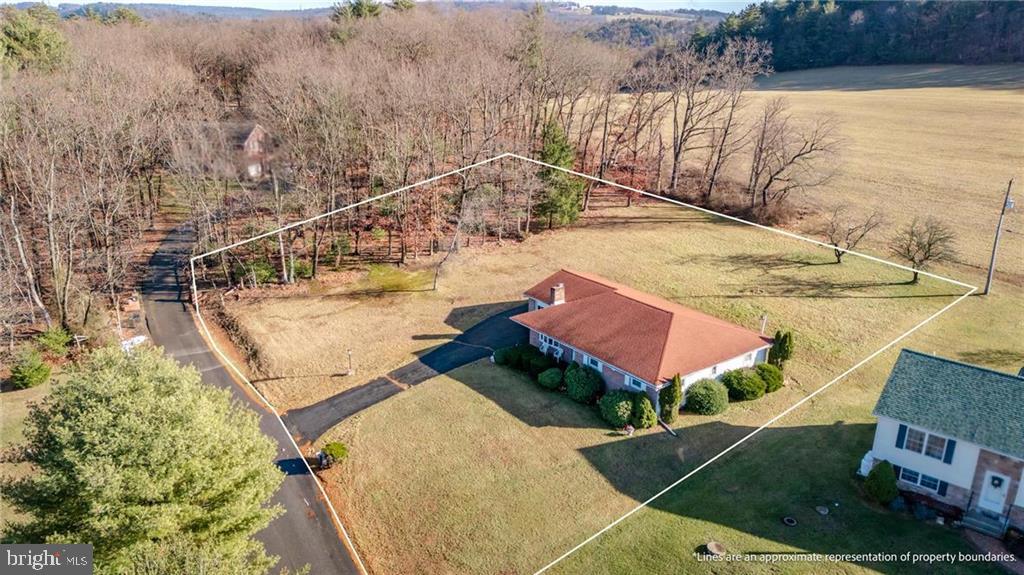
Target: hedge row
[581, 383]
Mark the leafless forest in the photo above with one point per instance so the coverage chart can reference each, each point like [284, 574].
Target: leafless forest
[134, 116]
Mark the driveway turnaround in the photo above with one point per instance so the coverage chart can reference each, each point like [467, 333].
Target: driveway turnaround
[307, 424]
[304, 534]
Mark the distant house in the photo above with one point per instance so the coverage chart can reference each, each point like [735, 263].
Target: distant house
[252, 144]
[637, 341]
[955, 434]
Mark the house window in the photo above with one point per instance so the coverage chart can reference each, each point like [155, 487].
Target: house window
[926, 481]
[546, 340]
[714, 370]
[748, 357]
[935, 446]
[635, 383]
[915, 440]
[929, 482]
[593, 362]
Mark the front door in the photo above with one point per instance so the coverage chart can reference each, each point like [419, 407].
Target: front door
[993, 492]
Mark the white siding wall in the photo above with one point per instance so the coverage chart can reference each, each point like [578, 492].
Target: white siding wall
[960, 472]
[738, 362]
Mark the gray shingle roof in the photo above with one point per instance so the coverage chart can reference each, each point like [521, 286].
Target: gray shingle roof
[962, 401]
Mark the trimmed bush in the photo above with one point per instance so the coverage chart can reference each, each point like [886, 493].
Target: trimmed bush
[54, 341]
[527, 353]
[643, 412]
[881, 483]
[539, 364]
[743, 384]
[616, 408]
[707, 397]
[550, 378]
[583, 383]
[507, 355]
[669, 398]
[30, 371]
[771, 375]
[337, 450]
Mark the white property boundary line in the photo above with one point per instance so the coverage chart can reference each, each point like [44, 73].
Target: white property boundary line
[323, 492]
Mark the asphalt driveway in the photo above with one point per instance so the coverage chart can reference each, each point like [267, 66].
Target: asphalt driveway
[307, 424]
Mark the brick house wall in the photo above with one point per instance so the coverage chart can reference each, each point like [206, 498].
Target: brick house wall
[1017, 517]
[1008, 466]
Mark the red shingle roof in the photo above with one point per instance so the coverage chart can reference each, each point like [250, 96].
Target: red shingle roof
[645, 335]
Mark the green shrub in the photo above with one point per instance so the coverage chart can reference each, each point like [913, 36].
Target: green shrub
[743, 384]
[669, 399]
[54, 341]
[259, 271]
[303, 269]
[524, 359]
[616, 408]
[539, 364]
[583, 383]
[881, 483]
[771, 375]
[29, 371]
[782, 349]
[643, 412]
[337, 450]
[507, 355]
[707, 397]
[550, 378]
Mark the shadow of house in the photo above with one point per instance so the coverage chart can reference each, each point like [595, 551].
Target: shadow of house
[477, 342]
[781, 472]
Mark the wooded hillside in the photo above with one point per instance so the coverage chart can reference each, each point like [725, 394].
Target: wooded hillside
[814, 34]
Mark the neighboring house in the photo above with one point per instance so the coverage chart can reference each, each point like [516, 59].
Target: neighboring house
[637, 341]
[252, 144]
[954, 433]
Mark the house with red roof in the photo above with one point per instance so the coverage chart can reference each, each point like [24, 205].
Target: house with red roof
[637, 341]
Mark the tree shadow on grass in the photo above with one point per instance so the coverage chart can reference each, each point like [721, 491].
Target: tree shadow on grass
[1002, 357]
[776, 281]
[780, 472]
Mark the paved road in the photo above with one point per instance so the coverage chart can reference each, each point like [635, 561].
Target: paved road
[304, 534]
[309, 423]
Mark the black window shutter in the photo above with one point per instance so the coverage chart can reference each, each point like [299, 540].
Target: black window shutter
[943, 486]
[901, 436]
[896, 470]
[950, 448]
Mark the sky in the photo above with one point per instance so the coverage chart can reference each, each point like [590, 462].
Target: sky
[723, 5]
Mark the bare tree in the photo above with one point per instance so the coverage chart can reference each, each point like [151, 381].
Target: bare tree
[788, 155]
[740, 62]
[844, 230]
[922, 243]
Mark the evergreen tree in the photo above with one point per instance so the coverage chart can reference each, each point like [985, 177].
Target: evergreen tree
[669, 399]
[355, 10]
[134, 451]
[402, 5]
[563, 194]
[30, 39]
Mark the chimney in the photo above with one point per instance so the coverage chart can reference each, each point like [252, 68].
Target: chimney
[764, 323]
[557, 294]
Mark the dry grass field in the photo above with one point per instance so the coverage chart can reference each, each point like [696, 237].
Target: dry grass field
[923, 140]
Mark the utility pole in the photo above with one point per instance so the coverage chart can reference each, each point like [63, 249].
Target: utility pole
[1007, 205]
